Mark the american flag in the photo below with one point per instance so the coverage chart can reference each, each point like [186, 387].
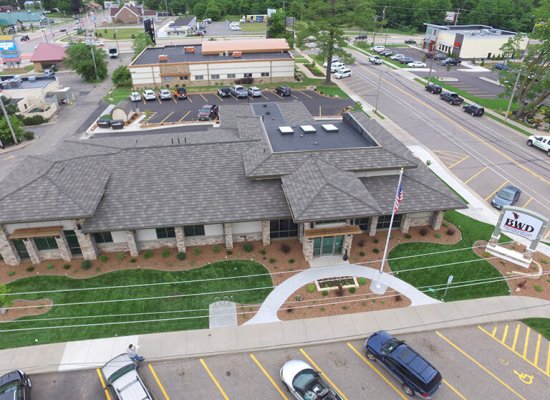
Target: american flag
[398, 198]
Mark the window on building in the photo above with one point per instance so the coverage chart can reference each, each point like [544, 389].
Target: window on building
[165, 233]
[231, 76]
[283, 228]
[194, 230]
[215, 76]
[103, 237]
[199, 77]
[45, 243]
[331, 221]
[168, 78]
[265, 73]
[248, 75]
[384, 221]
[183, 78]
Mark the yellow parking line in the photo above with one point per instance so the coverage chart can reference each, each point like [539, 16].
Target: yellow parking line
[268, 377]
[537, 349]
[479, 365]
[107, 395]
[475, 175]
[516, 334]
[548, 361]
[527, 202]
[214, 379]
[496, 190]
[503, 340]
[526, 343]
[325, 375]
[494, 331]
[167, 117]
[158, 382]
[454, 390]
[458, 162]
[362, 357]
[186, 114]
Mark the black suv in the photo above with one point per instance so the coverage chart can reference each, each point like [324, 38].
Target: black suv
[15, 385]
[451, 98]
[437, 56]
[224, 91]
[476, 111]
[415, 373]
[180, 93]
[410, 41]
[433, 88]
[451, 61]
[361, 37]
[283, 91]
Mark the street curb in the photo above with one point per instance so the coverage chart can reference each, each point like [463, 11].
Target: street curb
[17, 147]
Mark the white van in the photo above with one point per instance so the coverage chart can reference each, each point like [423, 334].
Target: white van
[335, 66]
[342, 73]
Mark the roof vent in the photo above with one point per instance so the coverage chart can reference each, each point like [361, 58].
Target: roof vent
[163, 57]
[189, 49]
[330, 128]
[308, 129]
[237, 54]
[286, 130]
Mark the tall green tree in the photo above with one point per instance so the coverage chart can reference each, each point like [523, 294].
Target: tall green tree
[80, 59]
[326, 20]
[122, 76]
[16, 124]
[141, 41]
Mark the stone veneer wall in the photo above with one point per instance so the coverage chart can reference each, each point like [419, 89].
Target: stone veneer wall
[8, 250]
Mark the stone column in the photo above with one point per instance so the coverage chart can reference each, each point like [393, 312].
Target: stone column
[180, 238]
[372, 225]
[63, 247]
[85, 241]
[7, 249]
[132, 243]
[32, 250]
[301, 232]
[266, 230]
[228, 233]
[307, 246]
[405, 223]
[347, 244]
[438, 220]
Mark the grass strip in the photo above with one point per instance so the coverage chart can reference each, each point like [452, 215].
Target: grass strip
[541, 325]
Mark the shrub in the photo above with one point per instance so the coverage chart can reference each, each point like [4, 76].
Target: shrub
[50, 266]
[34, 120]
[147, 254]
[324, 292]
[375, 240]
[437, 235]
[248, 247]
[133, 36]
[121, 256]
[375, 251]
[291, 261]
[361, 280]
[407, 235]
[340, 291]
[424, 231]
[544, 261]
[244, 81]
[322, 309]
[263, 252]
[86, 265]
[133, 260]
[272, 260]
[522, 284]
[181, 255]
[361, 243]
[103, 258]
[197, 251]
[344, 308]
[28, 135]
[289, 310]
[538, 288]
[362, 253]
[450, 231]
[217, 248]
[285, 248]
[229, 252]
[30, 269]
[66, 266]
[352, 289]
[397, 298]
[165, 253]
[310, 288]
[298, 298]
[11, 273]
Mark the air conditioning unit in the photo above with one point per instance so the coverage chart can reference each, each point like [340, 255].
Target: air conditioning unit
[237, 54]
[163, 57]
[189, 49]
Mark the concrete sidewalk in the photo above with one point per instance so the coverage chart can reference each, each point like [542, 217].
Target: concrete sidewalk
[175, 345]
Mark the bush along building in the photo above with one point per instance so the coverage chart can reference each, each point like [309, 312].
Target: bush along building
[267, 171]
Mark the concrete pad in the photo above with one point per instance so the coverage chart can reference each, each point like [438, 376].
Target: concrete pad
[295, 331]
[222, 339]
[198, 342]
[365, 323]
[429, 315]
[271, 335]
[248, 336]
[343, 326]
[222, 313]
[387, 319]
[409, 318]
[320, 329]
[164, 345]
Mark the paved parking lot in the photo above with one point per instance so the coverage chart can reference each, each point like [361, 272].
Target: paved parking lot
[173, 111]
[493, 361]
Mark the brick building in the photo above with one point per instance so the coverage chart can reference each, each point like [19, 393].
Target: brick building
[129, 14]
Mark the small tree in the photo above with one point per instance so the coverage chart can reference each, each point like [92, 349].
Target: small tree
[5, 134]
[81, 60]
[122, 76]
[141, 41]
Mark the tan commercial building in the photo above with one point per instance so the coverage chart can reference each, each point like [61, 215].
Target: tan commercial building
[213, 63]
[467, 41]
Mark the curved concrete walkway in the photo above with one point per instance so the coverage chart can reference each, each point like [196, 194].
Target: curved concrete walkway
[275, 300]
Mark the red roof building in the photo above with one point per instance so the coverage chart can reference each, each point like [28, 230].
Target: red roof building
[47, 55]
[130, 14]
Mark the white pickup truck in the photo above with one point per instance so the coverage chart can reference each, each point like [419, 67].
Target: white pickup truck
[121, 376]
[542, 142]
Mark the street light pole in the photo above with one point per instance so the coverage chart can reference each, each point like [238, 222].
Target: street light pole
[511, 98]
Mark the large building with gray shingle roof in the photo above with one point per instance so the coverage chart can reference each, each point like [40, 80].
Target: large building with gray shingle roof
[268, 171]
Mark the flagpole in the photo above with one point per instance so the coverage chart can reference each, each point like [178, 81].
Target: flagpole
[389, 230]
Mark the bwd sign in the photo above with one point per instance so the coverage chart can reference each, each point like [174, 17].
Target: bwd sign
[521, 222]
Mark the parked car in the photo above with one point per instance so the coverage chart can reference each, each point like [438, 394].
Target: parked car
[113, 52]
[15, 385]
[134, 96]
[416, 64]
[386, 53]
[283, 91]
[25, 38]
[406, 60]
[375, 60]
[254, 91]
[433, 88]
[378, 49]
[361, 37]
[334, 59]
[208, 112]
[410, 41]
[451, 98]
[49, 72]
[343, 73]
[239, 92]
[148, 94]
[180, 93]
[542, 142]
[476, 111]
[164, 94]
[224, 91]
[300, 379]
[437, 56]
[98, 43]
[335, 66]
[397, 57]
[122, 378]
[451, 61]
[502, 66]
[207, 20]
[507, 196]
[414, 372]
[234, 27]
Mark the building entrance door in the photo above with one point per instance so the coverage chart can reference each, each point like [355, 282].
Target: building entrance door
[325, 246]
[72, 241]
[21, 249]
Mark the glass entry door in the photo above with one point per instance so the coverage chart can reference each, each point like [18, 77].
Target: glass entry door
[329, 245]
[72, 241]
[21, 249]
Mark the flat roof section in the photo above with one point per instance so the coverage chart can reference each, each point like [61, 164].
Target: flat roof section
[246, 46]
[177, 54]
[307, 136]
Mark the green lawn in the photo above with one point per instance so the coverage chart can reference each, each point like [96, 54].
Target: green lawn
[189, 308]
[541, 325]
[115, 95]
[121, 33]
[255, 27]
[432, 281]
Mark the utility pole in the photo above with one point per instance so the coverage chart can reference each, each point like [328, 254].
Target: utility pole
[8, 120]
[93, 58]
[511, 98]
[433, 56]
[456, 15]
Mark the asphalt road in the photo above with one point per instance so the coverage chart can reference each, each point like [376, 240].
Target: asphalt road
[481, 152]
[504, 361]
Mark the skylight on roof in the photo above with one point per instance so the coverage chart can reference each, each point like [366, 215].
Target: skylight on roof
[286, 130]
[308, 128]
[330, 127]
